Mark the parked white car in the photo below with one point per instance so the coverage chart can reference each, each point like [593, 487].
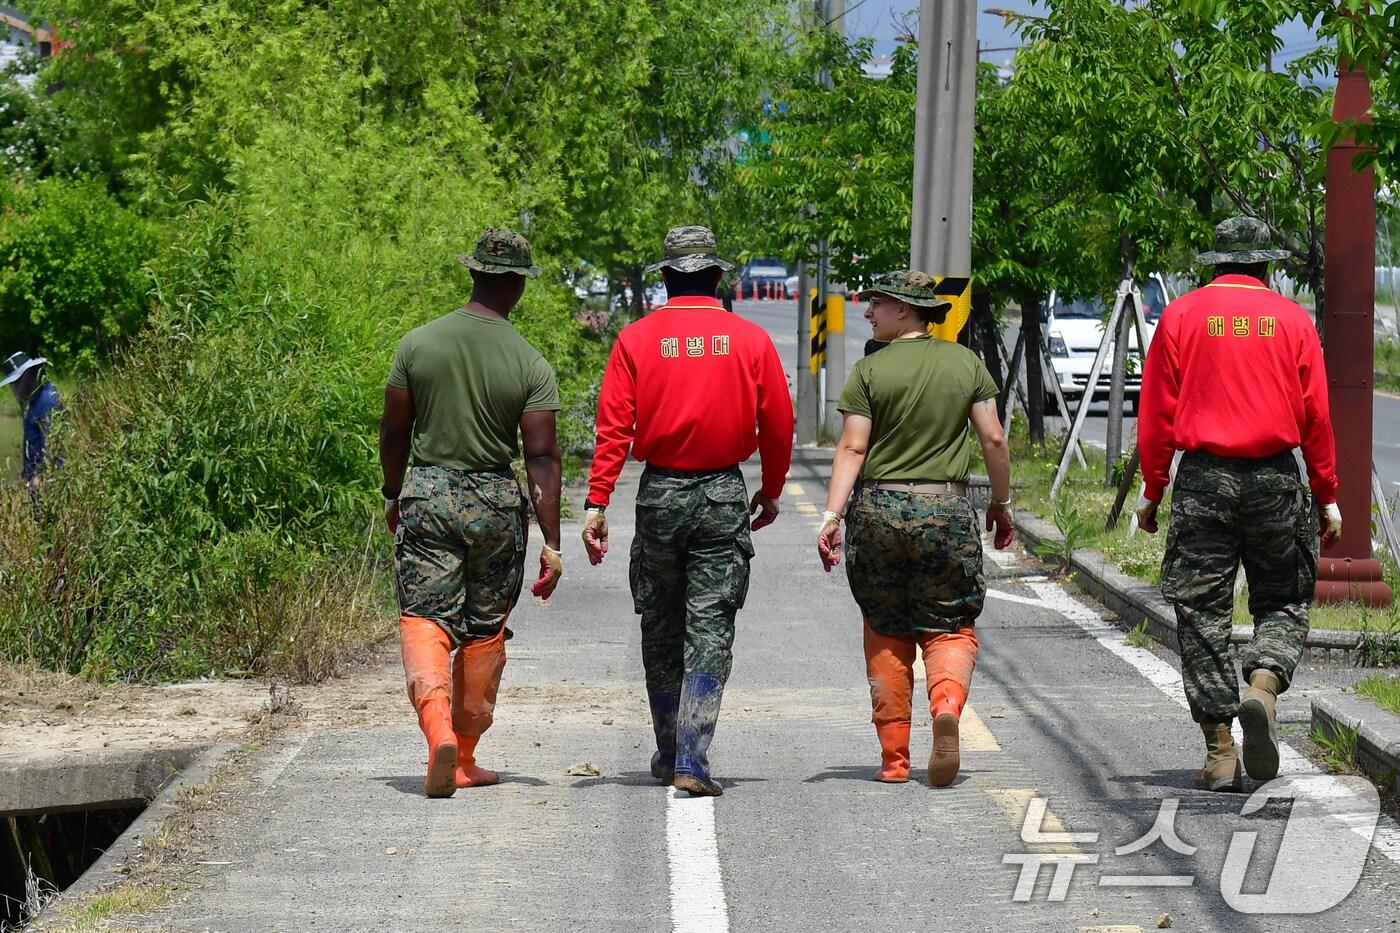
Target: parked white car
[1073, 328]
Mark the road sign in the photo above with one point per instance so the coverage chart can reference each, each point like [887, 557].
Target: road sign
[818, 331]
[958, 290]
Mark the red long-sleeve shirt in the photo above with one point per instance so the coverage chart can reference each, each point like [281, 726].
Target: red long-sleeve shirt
[692, 387]
[1235, 369]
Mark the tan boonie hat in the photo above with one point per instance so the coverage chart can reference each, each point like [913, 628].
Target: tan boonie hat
[1242, 240]
[690, 249]
[500, 249]
[907, 285]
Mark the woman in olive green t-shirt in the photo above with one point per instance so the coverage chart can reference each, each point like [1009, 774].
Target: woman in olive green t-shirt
[915, 553]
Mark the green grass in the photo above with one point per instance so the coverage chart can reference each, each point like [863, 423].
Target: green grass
[1338, 746]
[1140, 556]
[1384, 689]
[1388, 364]
[11, 432]
[1138, 636]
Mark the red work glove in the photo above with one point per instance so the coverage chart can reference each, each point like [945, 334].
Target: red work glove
[595, 536]
[551, 569]
[999, 516]
[769, 507]
[829, 541]
[1147, 514]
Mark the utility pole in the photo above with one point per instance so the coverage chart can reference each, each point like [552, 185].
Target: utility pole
[1346, 570]
[835, 305]
[941, 238]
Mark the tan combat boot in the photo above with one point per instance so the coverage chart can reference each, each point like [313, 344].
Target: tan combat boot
[1222, 768]
[1257, 720]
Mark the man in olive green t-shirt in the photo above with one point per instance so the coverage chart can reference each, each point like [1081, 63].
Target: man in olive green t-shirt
[461, 389]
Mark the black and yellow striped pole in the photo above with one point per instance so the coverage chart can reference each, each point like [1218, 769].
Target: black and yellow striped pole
[941, 234]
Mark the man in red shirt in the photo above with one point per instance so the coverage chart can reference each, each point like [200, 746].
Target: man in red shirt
[1234, 378]
[693, 391]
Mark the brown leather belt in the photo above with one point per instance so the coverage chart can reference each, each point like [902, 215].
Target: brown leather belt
[946, 489]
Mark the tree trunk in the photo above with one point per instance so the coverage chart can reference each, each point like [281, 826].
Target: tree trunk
[989, 336]
[1114, 441]
[1035, 377]
[638, 279]
[1127, 248]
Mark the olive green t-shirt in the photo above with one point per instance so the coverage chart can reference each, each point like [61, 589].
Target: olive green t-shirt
[917, 393]
[471, 377]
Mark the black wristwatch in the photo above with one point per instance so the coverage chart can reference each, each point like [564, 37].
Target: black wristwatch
[384, 491]
[590, 506]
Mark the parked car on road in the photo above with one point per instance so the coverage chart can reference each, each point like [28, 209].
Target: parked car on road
[1073, 328]
[760, 275]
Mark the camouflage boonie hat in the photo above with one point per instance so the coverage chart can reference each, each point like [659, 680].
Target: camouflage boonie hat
[1241, 239]
[907, 285]
[501, 249]
[690, 249]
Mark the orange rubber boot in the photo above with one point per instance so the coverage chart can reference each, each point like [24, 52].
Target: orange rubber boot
[426, 649]
[949, 658]
[889, 666]
[476, 676]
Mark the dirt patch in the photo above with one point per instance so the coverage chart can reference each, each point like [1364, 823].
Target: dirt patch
[44, 714]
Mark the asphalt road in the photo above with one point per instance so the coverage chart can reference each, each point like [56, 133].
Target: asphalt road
[780, 319]
[331, 831]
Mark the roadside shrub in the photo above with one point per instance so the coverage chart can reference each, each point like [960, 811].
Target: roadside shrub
[73, 278]
[218, 509]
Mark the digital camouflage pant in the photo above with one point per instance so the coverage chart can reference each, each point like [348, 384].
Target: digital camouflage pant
[1227, 511]
[460, 549]
[689, 573]
[914, 561]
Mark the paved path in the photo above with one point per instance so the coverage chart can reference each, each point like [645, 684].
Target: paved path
[332, 833]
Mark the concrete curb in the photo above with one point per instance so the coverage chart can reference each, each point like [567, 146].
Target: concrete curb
[94, 779]
[1135, 601]
[1377, 734]
[108, 869]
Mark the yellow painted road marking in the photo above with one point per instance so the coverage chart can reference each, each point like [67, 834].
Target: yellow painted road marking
[1015, 801]
[806, 508]
[973, 734]
[795, 489]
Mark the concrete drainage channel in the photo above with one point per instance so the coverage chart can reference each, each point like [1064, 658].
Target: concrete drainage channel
[58, 816]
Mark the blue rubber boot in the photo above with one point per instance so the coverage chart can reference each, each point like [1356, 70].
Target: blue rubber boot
[695, 727]
[663, 723]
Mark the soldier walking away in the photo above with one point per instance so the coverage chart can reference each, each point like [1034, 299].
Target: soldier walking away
[460, 389]
[693, 391]
[914, 550]
[1234, 378]
[38, 400]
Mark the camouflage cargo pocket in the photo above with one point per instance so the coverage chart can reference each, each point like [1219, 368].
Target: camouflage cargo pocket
[503, 494]
[1306, 545]
[742, 571]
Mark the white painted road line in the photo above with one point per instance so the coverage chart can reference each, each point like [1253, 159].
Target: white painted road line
[1386, 838]
[1013, 598]
[692, 853]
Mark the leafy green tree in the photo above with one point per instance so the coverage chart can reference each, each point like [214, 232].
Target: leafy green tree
[839, 163]
[73, 281]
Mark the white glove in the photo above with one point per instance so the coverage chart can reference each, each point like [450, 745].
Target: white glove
[1331, 523]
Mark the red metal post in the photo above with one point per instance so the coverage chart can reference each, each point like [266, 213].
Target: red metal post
[1347, 571]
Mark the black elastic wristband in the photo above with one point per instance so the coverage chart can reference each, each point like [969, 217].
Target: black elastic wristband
[383, 491]
[589, 505]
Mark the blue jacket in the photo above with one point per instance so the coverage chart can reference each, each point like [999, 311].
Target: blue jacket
[36, 428]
